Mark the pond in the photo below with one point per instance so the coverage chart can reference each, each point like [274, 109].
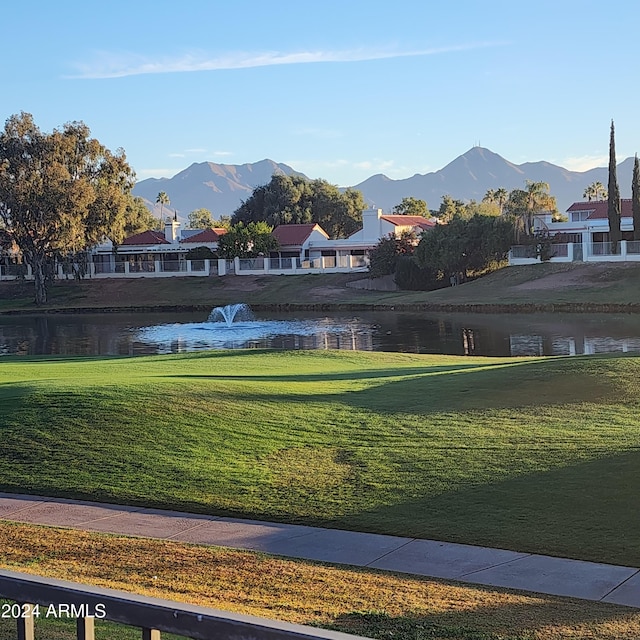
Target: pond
[457, 334]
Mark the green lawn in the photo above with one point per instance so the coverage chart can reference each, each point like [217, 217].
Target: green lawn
[537, 455]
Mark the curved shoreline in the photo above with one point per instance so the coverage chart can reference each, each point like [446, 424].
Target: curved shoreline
[532, 308]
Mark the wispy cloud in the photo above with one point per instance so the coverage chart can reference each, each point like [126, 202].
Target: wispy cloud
[223, 153]
[584, 163]
[119, 65]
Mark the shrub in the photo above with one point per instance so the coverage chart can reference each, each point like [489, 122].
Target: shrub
[410, 276]
[384, 256]
[200, 253]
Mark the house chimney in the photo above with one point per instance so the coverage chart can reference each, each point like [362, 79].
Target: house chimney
[171, 229]
[371, 224]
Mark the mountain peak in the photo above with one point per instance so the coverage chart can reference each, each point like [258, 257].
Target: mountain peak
[221, 188]
[472, 174]
[217, 187]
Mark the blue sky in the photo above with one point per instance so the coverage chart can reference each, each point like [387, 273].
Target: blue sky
[339, 90]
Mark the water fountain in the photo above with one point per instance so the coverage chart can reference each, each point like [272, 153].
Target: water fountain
[232, 313]
[235, 326]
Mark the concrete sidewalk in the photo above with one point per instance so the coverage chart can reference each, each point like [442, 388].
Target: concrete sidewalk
[477, 565]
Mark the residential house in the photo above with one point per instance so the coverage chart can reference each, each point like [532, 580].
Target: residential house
[585, 236]
[155, 251]
[294, 242]
[376, 225]
[353, 252]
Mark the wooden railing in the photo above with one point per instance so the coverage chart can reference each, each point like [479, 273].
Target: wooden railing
[32, 599]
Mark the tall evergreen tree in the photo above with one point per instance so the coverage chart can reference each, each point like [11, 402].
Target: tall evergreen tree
[635, 198]
[613, 205]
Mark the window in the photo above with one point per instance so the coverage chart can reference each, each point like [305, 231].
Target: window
[580, 216]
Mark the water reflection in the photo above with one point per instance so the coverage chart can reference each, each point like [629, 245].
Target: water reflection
[309, 333]
[458, 334]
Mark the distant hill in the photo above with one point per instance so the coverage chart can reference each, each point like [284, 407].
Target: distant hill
[470, 175]
[222, 187]
[217, 187]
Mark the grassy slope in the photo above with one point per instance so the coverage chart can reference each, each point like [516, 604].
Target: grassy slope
[182, 291]
[530, 454]
[371, 603]
[545, 283]
[608, 283]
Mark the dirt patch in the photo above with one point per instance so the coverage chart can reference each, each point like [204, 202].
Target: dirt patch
[592, 275]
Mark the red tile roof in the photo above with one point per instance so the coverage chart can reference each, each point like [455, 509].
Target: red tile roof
[289, 235]
[147, 237]
[207, 235]
[409, 221]
[599, 208]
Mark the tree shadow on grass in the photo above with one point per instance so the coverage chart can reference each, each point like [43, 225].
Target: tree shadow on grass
[586, 510]
[358, 374]
[445, 388]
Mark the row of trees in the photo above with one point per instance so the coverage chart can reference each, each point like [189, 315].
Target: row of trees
[519, 205]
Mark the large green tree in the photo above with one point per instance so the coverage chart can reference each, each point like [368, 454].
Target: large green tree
[635, 198]
[247, 240]
[139, 218]
[411, 207]
[200, 219]
[613, 202]
[465, 246]
[383, 258]
[296, 200]
[450, 209]
[60, 192]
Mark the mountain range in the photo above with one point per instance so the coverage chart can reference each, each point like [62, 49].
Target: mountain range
[221, 188]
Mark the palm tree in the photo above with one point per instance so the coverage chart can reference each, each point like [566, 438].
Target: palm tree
[162, 199]
[490, 196]
[595, 191]
[497, 196]
[523, 204]
[501, 196]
